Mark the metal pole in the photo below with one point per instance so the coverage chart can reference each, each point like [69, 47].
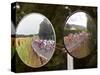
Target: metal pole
[70, 62]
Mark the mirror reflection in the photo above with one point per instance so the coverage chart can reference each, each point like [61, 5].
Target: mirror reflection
[78, 36]
[13, 32]
[12, 29]
[35, 40]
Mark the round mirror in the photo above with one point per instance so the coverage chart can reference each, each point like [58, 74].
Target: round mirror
[36, 40]
[78, 34]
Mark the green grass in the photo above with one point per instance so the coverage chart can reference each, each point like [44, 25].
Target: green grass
[26, 53]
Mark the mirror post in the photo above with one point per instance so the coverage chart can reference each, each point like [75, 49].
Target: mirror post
[70, 65]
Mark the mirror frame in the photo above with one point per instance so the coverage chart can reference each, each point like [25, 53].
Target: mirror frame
[33, 34]
[64, 26]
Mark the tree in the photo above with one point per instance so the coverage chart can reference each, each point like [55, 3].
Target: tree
[46, 31]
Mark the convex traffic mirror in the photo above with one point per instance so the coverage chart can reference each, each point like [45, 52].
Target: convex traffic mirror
[78, 33]
[35, 40]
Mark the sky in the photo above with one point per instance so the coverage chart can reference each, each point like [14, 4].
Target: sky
[30, 24]
[12, 29]
[78, 18]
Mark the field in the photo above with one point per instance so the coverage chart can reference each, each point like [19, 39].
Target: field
[26, 53]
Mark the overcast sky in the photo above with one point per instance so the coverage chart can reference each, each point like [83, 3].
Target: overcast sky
[78, 18]
[30, 24]
[12, 29]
